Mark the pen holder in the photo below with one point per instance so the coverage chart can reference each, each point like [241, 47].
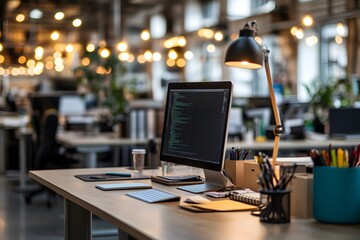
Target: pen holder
[277, 206]
[336, 196]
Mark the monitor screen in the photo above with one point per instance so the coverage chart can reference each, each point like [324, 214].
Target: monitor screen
[344, 123]
[195, 125]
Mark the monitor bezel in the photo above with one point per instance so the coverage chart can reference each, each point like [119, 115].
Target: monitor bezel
[228, 85]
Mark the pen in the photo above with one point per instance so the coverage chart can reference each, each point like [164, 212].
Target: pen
[119, 174]
[333, 158]
[340, 158]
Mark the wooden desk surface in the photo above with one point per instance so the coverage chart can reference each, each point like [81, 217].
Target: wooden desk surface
[168, 221]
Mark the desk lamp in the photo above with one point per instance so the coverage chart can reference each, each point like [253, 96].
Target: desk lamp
[245, 52]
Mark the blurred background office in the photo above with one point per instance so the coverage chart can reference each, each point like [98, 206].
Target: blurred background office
[103, 67]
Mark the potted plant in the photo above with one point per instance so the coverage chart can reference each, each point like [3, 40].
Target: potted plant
[104, 78]
[325, 96]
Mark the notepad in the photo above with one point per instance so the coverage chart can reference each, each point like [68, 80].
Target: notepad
[246, 196]
[218, 206]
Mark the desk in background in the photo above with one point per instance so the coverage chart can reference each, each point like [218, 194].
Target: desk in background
[90, 144]
[166, 220]
[305, 144]
[8, 120]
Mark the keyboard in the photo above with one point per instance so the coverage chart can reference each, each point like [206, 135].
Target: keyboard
[153, 196]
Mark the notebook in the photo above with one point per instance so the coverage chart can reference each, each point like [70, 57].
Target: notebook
[178, 180]
[246, 196]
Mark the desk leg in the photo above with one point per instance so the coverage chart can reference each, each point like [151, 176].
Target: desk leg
[77, 222]
[2, 151]
[23, 161]
[91, 160]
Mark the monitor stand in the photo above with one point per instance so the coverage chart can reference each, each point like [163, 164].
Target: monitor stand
[214, 181]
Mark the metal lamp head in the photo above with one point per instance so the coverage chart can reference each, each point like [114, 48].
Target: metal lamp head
[245, 52]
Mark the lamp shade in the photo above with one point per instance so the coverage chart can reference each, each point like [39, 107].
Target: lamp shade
[244, 52]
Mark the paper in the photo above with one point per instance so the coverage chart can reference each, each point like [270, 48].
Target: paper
[219, 206]
[196, 199]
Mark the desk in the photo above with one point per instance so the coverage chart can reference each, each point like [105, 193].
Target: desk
[306, 144]
[23, 134]
[8, 120]
[166, 220]
[90, 144]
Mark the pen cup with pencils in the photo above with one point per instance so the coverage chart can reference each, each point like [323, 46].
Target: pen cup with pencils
[276, 208]
[336, 196]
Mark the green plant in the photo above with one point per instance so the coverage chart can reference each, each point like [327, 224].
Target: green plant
[104, 77]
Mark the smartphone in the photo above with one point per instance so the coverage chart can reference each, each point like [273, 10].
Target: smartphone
[123, 186]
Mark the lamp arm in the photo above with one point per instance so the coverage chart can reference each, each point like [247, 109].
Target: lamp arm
[278, 129]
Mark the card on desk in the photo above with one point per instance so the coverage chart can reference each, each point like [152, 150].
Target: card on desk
[123, 186]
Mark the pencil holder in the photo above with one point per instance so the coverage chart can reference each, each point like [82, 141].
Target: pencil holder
[277, 207]
[336, 196]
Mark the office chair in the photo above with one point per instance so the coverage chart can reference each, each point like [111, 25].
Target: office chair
[47, 153]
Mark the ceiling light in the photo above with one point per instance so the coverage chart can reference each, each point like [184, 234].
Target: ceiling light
[156, 56]
[77, 22]
[170, 62]
[172, 54]
[1, 47]
[105, 53]
[90, 47]
[211, 48]
[181, 41]
[59, 16]
[299, 33]
[148, 55]
[131, 58]
[124, 56]
[308, 21]
[293, 30]
[188, 55]
[20, 17]
[36, 14]
[22, 59]
[338, 39]
[57, 54]
[30, 63]
[55, 35]
[85, 61]
[340, 29]
[122, 46]
[181, 62]
[145, 35]
[219, 36]
[141, 59]
[69, 48]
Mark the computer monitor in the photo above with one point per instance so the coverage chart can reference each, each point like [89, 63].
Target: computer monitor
[344, 123]
[195, 129]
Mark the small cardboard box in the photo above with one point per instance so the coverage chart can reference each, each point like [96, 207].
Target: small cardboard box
[244, 173]
[301, 200]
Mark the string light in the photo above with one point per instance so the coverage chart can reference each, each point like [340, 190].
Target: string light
[55, 35]
[145, 35]
[20, 17]
[59, 16]
[308, 21]
[77, 22]
[90, 47]
[340, 29]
